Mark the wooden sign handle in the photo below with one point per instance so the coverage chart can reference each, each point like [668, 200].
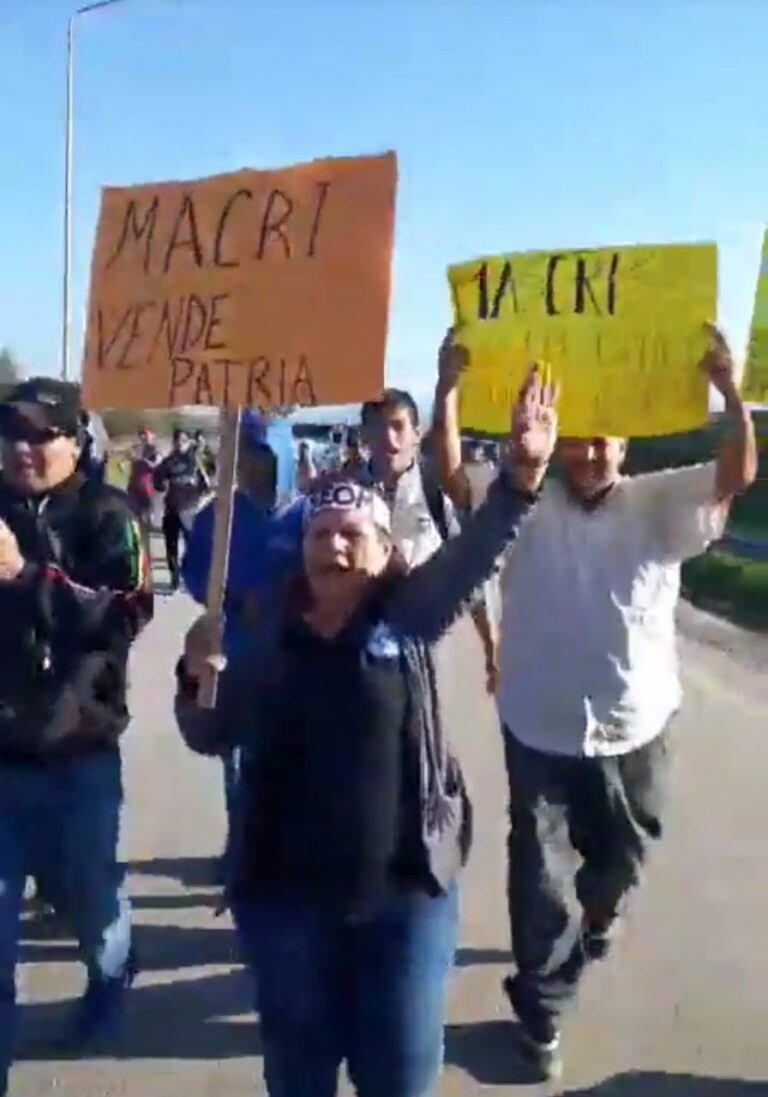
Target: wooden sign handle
[222, 538]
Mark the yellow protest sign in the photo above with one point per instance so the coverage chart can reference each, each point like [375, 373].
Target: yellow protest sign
[261, 288]
[756, 374]
[621, 329]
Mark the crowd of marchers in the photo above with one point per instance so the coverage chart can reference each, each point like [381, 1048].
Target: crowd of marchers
[348, 817]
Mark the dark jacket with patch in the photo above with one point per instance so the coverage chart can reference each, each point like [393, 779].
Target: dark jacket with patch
[67, 622]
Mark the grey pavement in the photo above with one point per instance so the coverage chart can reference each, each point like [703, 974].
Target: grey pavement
[680, 1010]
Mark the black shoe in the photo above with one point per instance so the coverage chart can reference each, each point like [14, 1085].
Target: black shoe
[597, 939]
[99, 1014]
[46, 921]
[539, 1038]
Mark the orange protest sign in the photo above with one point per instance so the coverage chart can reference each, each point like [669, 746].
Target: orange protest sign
[262, 288]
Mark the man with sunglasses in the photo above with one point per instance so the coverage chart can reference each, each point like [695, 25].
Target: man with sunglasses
[74, 592]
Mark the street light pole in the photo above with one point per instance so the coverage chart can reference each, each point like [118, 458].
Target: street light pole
[68, 155]
[66, 307]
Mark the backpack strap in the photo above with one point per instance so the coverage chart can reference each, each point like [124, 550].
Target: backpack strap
[435, 499]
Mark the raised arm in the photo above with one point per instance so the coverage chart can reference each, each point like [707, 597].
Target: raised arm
[432, 596]
[452, 359]
[737, 458]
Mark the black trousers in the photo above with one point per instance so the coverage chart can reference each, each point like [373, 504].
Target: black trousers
[173, 531]
[579, 832]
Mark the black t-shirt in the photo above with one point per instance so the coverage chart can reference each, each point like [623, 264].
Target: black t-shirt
[325, 800]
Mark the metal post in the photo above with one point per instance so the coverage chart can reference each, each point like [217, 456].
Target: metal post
[66, 306]
[68, 155]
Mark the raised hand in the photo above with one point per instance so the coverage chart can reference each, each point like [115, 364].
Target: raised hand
[452, 360]
[718, 364]
[534, 431]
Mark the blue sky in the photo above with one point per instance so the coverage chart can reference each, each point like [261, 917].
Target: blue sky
[518, 123]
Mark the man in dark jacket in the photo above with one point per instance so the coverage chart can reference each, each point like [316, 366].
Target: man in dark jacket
[74, 592]
[184, 482]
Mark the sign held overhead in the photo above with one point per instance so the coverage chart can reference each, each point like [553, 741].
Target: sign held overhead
[621, 329]
[257, 288]
[756, 373]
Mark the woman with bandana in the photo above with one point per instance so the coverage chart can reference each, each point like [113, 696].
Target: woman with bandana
[354, 820]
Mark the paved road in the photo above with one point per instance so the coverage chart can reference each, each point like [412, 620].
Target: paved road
[681, 1010]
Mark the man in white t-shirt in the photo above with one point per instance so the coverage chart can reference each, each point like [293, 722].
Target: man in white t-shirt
[422, 515]
[589, 684]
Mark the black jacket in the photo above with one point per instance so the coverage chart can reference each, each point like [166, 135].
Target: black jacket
[67, 622]
[258, 700]
[182, 479]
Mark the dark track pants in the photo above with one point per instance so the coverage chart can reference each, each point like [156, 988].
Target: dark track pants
[173, 532]
[578, 825]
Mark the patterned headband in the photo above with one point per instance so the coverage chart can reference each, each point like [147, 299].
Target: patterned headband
[348, 495]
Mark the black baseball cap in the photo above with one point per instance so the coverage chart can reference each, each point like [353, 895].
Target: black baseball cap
[42, 405]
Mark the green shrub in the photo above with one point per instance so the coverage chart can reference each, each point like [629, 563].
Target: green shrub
[749, 512]
[720, 581]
